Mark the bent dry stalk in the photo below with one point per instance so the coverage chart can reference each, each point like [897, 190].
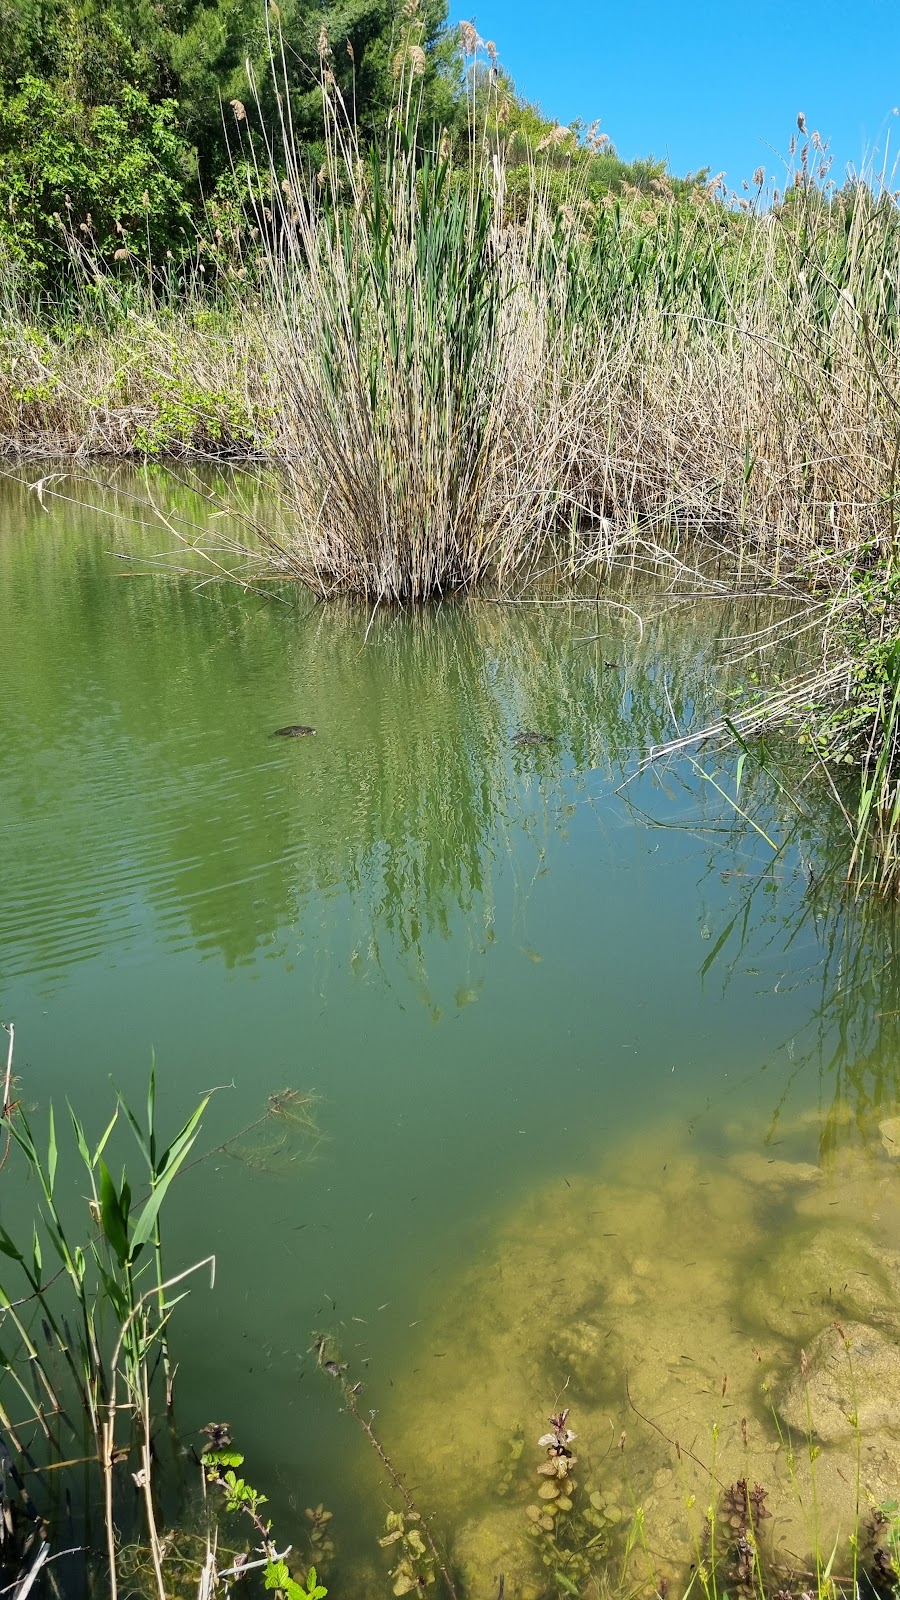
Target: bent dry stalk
[350, 1393]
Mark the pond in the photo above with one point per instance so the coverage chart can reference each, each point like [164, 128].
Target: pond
[581, 1085]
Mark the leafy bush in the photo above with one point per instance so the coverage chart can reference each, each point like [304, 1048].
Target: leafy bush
[110, 177]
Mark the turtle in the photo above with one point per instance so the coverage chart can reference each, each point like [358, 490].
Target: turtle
[293, 731]
[530, 737]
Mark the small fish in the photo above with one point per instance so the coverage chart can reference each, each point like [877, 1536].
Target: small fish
[293, 731]
[531, 737]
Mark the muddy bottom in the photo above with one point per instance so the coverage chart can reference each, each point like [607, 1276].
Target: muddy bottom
[704, 1320]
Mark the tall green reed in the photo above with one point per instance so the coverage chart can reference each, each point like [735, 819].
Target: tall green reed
[103, 1313]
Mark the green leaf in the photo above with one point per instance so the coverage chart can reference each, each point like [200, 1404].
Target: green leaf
[168, 1166]
[114, 1224]
[175, 1151]
[136, 1128]
[222, 1458]
[116, 1295]
[151, 1108]
[102, 1145]
[278, 1577]
[80, 1140]
[52, 1152]
[8, 1248]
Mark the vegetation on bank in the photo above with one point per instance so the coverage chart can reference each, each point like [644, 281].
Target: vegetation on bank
[466, 357]
[469, 341]
[134, 128]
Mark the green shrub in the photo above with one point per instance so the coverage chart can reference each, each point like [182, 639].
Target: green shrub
[109, 178]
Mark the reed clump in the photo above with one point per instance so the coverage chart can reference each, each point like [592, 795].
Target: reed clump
[454, 380]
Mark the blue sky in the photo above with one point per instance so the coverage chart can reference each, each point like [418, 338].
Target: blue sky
[709, 85]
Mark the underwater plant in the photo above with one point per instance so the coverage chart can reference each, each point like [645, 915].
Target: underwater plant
[415, 1567]
[571, 1530]
[221, 1468]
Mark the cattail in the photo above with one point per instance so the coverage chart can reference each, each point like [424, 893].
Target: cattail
[324, 49]
[469, 37]
[491, 49]
[350, 51]
[801, 122]
[759, 177]
[145, 200]
[239, 109]
[417, 60]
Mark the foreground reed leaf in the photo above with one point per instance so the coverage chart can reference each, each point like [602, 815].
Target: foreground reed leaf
[113, 1219]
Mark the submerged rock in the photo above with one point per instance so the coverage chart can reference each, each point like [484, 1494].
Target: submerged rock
[852, 1385]
[812, 1277]
[495, 1543]
[659, 1272]
[890, 1136]
[773, 1173]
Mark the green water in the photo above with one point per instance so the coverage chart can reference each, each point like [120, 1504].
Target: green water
[507, 980]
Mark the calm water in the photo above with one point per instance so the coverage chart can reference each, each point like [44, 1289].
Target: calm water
[497, 971]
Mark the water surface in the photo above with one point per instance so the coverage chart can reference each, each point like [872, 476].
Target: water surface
[507, 979]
